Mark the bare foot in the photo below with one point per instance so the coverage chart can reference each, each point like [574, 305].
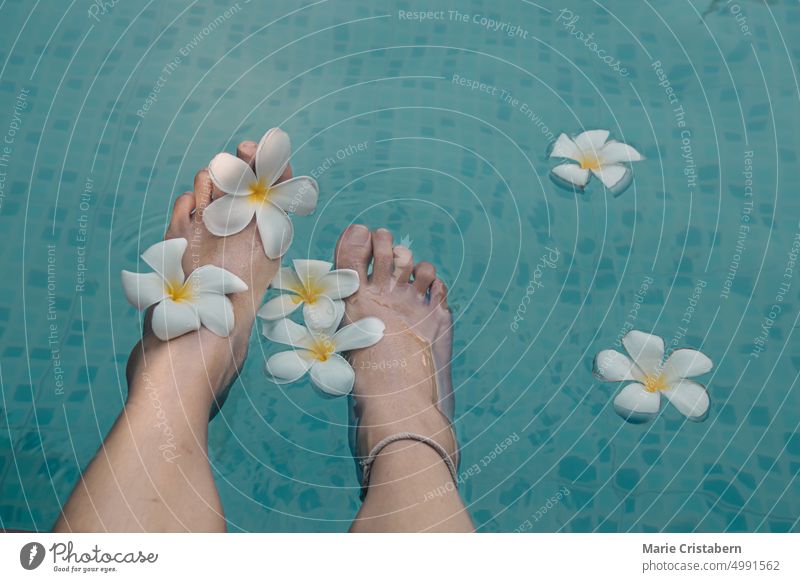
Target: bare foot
[396, 379]
[152, 472]
[243, 255]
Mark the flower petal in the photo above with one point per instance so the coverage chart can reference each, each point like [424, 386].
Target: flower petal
[592, 141]
[228, 215]
[287, 280]
[213, 279]
[612, 366]
[296, 195]
[165, 259]
[690, 398]
[340, 283]
[289, 366]
[335, 376]
[685, 363]
[573, 174]
[230, 174]
[614, 152]
[320, 315]
[143, 289]
[337, 318]
[216, 313]
[310, 271]
[565, 148]
[611, 175]
[171, 319]
[635, 404]
[280, 307]
[286, 331]
[272, 155]
[276, 230]
[647, 350]
[361, 334]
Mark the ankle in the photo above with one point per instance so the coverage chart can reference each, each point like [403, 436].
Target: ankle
[399, 398]
[164, 393]
[406, 458]
[176, 375]
[381, 422]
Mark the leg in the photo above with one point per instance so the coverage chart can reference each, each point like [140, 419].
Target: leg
[152, 472]
[398, 384]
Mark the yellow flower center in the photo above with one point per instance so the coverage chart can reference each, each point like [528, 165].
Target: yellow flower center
[322, 347]
[259, 191]
[308, 292]
[179, 291]
[590, 162]
[655, 383]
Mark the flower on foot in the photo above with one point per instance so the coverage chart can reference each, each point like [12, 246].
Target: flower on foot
[256, 193]
[313, 285]
[653, 376]
[182, 304]
[594, 154]
[317, 351]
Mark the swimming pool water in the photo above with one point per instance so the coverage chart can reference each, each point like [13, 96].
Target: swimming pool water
[438, 129]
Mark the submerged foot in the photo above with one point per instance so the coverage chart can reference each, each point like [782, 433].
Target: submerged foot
[219, 358]
[403, 382]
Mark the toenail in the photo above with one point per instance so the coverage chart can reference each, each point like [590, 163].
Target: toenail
[359, 233]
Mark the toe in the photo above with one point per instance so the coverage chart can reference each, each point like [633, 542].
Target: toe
[287, 173]
[181, 214]
[439, 293]
[403, 264]
[247, 151]
[354, 250]
[382, 256]
[202, 189]
[424, 274]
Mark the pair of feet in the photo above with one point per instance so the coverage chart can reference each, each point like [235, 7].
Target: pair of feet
[398, 381]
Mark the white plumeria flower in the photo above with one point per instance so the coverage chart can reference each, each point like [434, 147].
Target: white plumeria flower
[313, 285]
[594, 154]
[256, 194]
[184, 304]
[653, 376]
[316, 351]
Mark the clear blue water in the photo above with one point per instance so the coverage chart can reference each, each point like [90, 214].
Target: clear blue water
[463, 173]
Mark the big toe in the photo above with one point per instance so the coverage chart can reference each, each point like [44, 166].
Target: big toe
[354, 250]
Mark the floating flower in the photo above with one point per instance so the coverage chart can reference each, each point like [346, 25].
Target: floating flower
[183, 304]
[257, 194]
[317, 351]
[313, 285]
[653, 376]
[594, 154]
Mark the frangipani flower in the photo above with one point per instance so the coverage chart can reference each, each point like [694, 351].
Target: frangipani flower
[594, 154]
[316, 351]
[256, 194]
[653, 376]
[313, 285]
[184, 304]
